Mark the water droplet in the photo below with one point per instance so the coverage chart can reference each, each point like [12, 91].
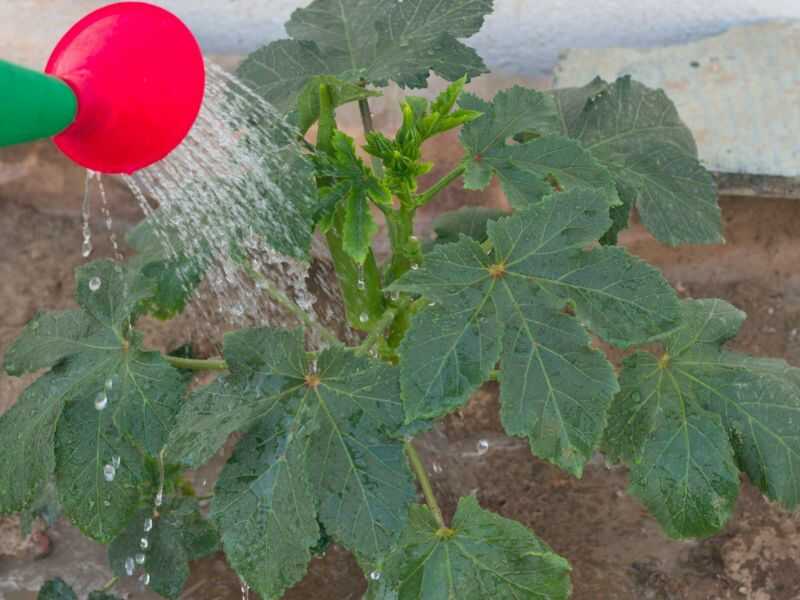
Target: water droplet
[109, 472]
[144, 543]
[130, 566]
[437, 468]
[95, 283]
[109, 384]
[363, 317]
[414, 267]
[414, 239]
[483, 446]
[431, 304]
[86, 213]
[148, 525]
[116, 461]
[375, 576]
[361, 284]
[140, 558]
[101, 401]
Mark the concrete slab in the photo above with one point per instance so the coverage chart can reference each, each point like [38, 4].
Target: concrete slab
[739, 92]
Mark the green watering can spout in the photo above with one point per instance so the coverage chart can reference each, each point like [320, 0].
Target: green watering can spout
[33, 105]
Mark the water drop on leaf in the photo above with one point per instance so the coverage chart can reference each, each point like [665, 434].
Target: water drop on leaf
[363, 317]
[109, 472]
[101, 401]
[375, 575]
[95, 283]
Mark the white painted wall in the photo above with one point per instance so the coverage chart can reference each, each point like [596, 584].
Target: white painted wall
[523, 37]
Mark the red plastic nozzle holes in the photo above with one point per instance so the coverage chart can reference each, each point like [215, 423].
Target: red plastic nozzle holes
[139, 77]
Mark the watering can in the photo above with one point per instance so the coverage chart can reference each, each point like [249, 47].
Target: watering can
[121, 90]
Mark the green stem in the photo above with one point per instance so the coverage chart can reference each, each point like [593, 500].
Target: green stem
[366, 121]
[437, 187]
[111, 583]
[424, 482]
[197, 364]
[400, 224]
[381, 325]
[285, 302]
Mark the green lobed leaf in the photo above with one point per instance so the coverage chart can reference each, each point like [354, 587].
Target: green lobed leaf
[637, 134]
[357, 466]
[482, 556]
[511, 112]
[95, 359]
[267, 367]
[508, 305]
[374, 42]
[342, 92]
[86, 441]
[178, 534]
[280, 70]
[174, 275]
[47, 339]
[545, 163]
[686, 420]
[323, 438]
[26, 431]
[56, 589]
[264, 506]
[471, 221]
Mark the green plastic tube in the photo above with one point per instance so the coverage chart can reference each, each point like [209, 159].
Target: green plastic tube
[33, 105]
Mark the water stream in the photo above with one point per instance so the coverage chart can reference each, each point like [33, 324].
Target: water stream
[233, 199]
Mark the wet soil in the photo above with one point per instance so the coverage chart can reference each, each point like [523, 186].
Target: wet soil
[617, 551]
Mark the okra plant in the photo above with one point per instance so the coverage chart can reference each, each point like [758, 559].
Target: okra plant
[325, 449]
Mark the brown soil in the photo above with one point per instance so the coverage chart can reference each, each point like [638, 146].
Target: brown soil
[616, 549]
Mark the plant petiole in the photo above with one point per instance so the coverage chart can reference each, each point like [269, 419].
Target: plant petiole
[424, 482]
